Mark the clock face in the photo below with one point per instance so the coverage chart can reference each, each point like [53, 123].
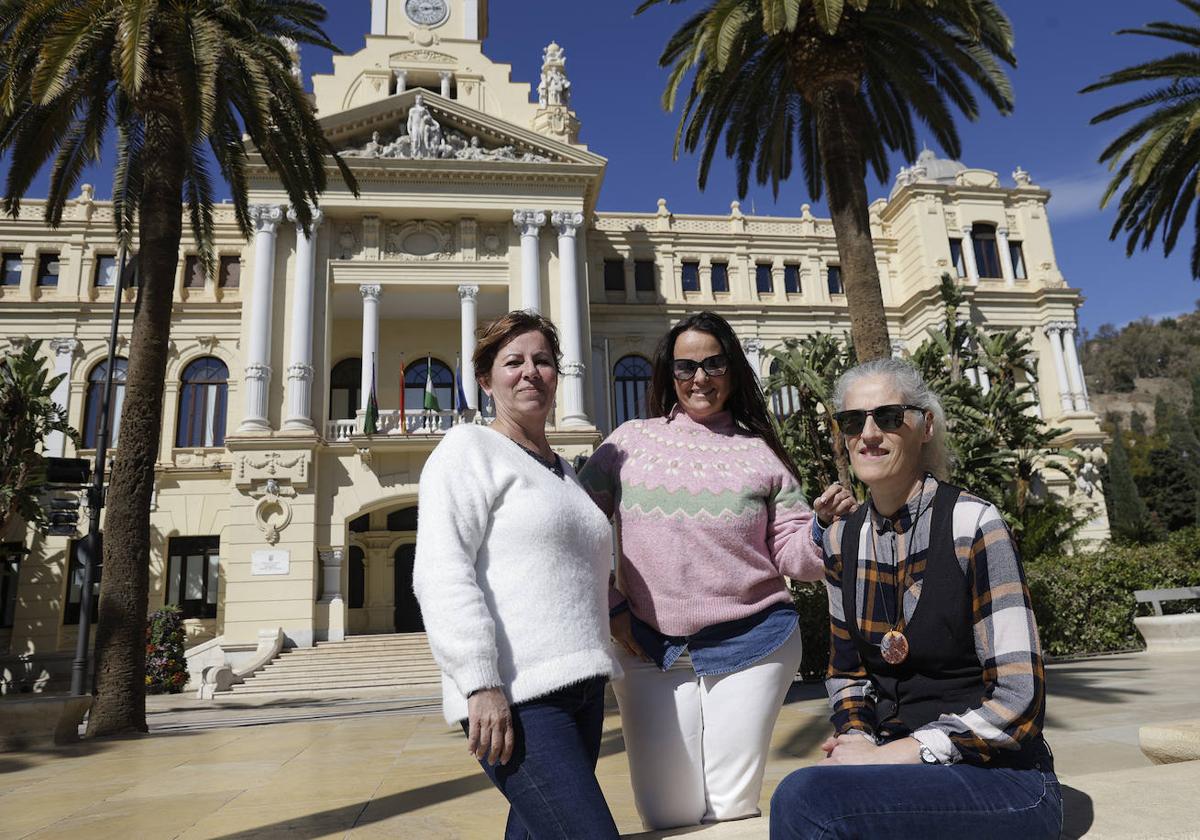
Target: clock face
[426, 12]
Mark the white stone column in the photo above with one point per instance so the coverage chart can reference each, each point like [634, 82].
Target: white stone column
[571, 320]
[972, 375]
[446, 77]
[753, 348]
[331, 596]
[529, 223]
[379, 10]
[1035, 384]
[467, 303]
[985, 381]
[1053, 332]
[64, 352]
[401, 80]
[968, 249]
[1006, 263]
[266, 219]
[1074, 369]
[300, 369]
[370, 339]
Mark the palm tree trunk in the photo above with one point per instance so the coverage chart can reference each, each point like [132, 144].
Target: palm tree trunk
[120, 704]
[840, 129]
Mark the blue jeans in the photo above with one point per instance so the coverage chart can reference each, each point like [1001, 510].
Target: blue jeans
[918, 801]
[550, 781]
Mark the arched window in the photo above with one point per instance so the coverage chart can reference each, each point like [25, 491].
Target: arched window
[784, 402]
[357, 594]
[345, 389]
[443, 385]
[202, 403]
[631, 379]
[987, 256]
[95, 394]
[402, 520]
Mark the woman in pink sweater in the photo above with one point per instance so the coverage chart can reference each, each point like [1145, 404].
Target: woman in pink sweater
[711, 520]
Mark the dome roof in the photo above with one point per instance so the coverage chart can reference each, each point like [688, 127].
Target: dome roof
[937, 169]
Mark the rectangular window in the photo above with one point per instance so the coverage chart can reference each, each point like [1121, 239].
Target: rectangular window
[956, 258]
[106, 271]
[193, 273]
[10, 573]
[720, 277]
[230, 276]
[1018, 260]
[987, 257]
[834, 275]
[193, 575]
[691, 276]
[763, 278]
[791, 279]
[75, 582]
[643, 275]
[12, 269]
[614, 275]
[48, 269]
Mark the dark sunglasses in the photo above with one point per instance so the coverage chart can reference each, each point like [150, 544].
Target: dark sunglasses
[888, 418]
[685, 369]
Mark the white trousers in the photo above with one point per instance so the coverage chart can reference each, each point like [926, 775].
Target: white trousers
[697, 746]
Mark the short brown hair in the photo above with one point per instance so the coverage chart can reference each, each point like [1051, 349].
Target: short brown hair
[504, 329]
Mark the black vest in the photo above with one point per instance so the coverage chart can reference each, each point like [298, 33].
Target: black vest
[942, 674]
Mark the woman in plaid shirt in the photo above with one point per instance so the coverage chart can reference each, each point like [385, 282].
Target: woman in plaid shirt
[935, 677]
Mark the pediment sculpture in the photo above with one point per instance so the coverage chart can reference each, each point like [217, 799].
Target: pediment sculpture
[422, 137]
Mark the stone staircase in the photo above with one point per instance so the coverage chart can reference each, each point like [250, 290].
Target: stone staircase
[400, 662]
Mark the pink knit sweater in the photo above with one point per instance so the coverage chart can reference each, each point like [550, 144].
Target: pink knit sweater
[710, 521]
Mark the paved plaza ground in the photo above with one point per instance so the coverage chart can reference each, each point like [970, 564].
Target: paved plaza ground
[390, 767]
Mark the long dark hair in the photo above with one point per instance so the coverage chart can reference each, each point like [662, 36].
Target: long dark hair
[746, 401]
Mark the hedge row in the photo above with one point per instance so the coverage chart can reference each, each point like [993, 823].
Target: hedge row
[1084, 602]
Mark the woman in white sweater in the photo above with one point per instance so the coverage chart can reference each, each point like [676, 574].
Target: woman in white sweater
[511, 572]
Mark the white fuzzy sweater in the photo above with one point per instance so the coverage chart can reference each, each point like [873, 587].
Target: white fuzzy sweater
[511, 571]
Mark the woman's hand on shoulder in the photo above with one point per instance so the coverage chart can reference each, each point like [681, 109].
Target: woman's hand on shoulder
[834, 502]
[490, 726]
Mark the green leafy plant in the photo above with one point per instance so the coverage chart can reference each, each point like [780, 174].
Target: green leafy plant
[27, 414]
[166, 664]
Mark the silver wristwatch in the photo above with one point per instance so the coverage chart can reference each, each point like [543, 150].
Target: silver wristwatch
[927, 756]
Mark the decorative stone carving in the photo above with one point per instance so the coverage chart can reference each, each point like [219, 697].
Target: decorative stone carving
[371, 237]
[293, 51]
[64, 346]
[18, 343]
[273, 513]
[566, 223]
[554, 90]
[424, 56]
[573, 369]
[266, 217]
[493, 244]
[347, 243]
[422, 137]
[1021, 178]
[420, 240]
[254, 467]
[207, 343]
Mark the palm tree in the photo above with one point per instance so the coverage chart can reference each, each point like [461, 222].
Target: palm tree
[836, 84]
[1156, 158]
[179, 80]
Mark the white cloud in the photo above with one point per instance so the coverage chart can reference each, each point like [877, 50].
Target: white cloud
[1077, 197]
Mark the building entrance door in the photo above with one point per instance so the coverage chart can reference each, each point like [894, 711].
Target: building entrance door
[408, 611]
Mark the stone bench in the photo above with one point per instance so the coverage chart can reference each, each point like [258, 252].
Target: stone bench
[1168, 633]
[1170, 743]
[40, 721]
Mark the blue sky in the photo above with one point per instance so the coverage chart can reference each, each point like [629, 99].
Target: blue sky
[1062, 45]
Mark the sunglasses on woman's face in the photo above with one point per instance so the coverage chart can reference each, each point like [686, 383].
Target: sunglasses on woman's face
[888, 418]
[685, 369]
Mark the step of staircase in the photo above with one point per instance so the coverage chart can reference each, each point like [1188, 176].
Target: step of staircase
[402, 662]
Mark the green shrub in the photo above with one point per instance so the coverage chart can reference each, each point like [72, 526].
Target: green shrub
[1084, 602]
[166, 665]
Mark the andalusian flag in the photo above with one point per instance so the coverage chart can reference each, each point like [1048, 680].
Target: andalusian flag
[431, 401]
[371, 420]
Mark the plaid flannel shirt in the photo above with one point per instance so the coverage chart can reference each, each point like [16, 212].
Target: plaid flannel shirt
[1006, 639]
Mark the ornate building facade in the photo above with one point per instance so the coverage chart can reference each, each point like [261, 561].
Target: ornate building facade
[273, 509]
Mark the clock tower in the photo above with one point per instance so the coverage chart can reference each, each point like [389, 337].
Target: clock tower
[457, 20]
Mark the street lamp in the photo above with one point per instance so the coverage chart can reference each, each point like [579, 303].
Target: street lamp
[91, 545]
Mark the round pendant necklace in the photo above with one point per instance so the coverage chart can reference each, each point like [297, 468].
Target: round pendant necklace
[893, 647]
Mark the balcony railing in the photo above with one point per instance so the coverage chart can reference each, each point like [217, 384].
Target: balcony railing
[416, 422]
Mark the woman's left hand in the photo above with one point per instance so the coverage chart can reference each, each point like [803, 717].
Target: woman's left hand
[834, 502]
[853, 749]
